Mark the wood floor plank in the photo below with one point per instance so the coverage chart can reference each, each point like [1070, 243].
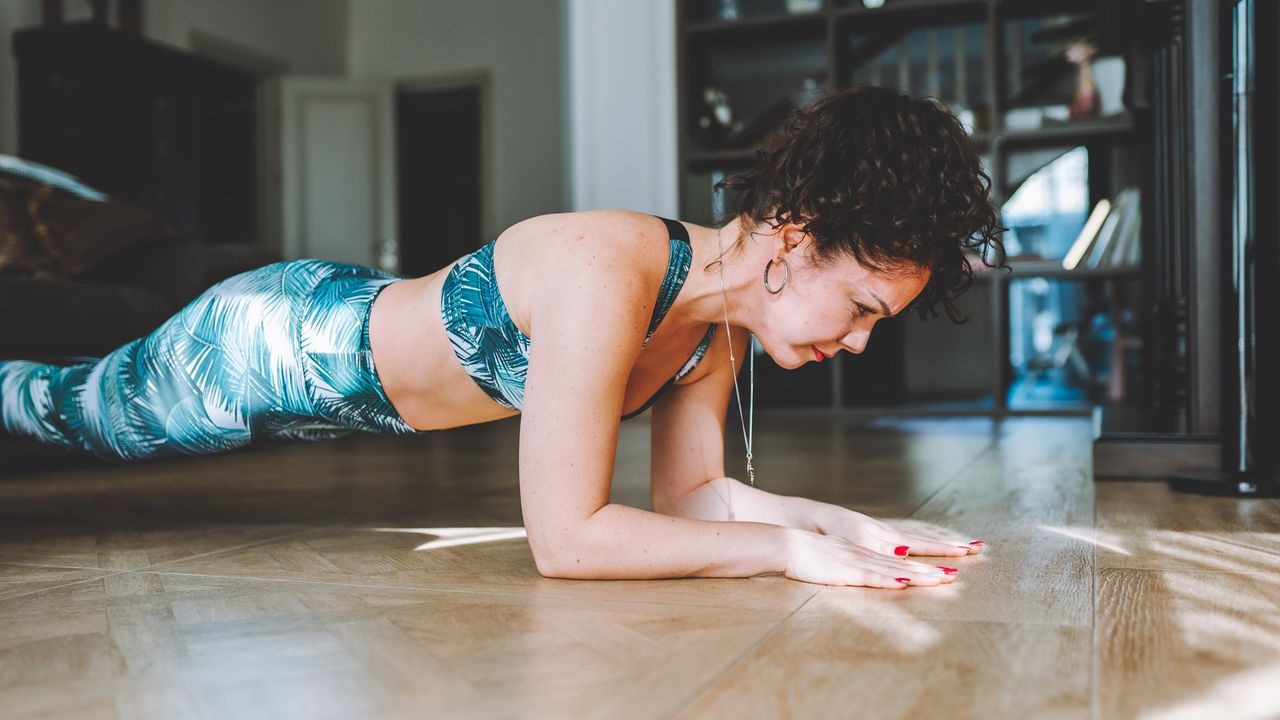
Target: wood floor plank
[1181, 644]
[821, 664]
[884, 469]
[1030, 501]
[225, 647]
[1146, 525]
[18, 579]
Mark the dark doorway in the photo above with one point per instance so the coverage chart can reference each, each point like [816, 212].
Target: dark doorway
[438, 150]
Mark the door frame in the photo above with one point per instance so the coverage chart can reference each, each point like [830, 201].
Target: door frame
[482, 79]
[283, 163]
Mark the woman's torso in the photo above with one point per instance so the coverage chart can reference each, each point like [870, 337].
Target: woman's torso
[419, 368]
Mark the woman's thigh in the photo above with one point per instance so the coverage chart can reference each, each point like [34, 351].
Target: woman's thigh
[276, 354]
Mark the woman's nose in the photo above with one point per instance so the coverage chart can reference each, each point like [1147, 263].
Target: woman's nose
[856, 341]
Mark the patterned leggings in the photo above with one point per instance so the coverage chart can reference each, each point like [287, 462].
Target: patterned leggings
[276, 354]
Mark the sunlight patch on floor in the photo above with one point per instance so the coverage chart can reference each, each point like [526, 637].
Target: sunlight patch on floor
[1088, 535]
[451, 537]
[1250, 694]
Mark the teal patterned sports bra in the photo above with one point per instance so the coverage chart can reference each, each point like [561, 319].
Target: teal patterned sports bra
[495, 353]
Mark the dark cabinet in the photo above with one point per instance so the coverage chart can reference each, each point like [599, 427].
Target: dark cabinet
[143, 122]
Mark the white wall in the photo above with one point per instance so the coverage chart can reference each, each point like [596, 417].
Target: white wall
[302, 36]
[519, 44]
[622, 105]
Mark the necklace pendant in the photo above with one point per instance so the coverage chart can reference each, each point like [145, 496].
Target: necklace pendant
[751, 474]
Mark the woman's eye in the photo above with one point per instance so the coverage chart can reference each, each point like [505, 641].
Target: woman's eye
[862, 310]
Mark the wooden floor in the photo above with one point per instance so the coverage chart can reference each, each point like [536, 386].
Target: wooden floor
[388, 577]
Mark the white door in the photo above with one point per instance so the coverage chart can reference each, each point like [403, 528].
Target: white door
[329, 160]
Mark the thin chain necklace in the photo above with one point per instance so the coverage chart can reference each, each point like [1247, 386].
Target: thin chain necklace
[748, 428]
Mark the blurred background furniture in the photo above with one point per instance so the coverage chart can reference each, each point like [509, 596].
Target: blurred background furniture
[1071, 103]
[146, 123]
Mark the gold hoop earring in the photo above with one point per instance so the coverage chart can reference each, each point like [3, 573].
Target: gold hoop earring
[786, 275]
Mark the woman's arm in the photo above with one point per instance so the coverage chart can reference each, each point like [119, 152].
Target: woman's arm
[725, 498]
[619, 542]
[687, 477]
[586, 337]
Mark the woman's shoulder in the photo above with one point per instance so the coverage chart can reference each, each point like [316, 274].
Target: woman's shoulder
[619, 231]
[611, 245]
[542, 262]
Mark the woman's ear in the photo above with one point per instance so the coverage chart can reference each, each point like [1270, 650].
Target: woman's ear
[789, 238]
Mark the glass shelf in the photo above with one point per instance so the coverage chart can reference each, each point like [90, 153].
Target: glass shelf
[863, 9]
[709, 14]
[1056, 73]
[944, 61]
[738, 92]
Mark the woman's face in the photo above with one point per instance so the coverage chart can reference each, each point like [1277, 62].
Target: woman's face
[828, 307]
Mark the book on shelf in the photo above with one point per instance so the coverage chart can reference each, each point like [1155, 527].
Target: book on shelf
[1131, 232]
[1116, 242]
[1088, 234]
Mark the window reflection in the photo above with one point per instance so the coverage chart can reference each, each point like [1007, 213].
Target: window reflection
[1049, 208]
[1046, 323]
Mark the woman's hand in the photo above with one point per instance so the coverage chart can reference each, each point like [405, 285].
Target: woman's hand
[885, 539]
[833, 560]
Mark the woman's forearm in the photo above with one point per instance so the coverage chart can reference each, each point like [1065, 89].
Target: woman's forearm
[725, 498]
[620, 542]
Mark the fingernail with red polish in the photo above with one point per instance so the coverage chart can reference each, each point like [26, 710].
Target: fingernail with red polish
[901, 550]
[903, 580]
[947, 570]
[976, 542]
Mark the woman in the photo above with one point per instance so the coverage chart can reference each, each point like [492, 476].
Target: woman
[862, 208]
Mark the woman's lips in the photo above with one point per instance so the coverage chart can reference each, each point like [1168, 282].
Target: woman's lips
[817, 354]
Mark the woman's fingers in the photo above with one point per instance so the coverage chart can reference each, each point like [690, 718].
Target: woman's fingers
[910, 571]
[922, 573]
[918, 545]
[896, 547]
[925, 546]
[888, 540]
[881, 579]
[834, 560]
[904, 545]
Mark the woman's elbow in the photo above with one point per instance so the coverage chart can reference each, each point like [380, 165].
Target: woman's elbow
[567, 566]
[556, 557]
[546, 565]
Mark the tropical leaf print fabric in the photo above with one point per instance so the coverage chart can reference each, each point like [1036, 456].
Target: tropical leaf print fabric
[277, 354]
[487, 342]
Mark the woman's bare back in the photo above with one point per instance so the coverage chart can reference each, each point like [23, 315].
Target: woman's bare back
[417, 366]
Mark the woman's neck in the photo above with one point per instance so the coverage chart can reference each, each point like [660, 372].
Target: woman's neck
[701, 300]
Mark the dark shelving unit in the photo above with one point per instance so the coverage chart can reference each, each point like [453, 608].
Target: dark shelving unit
[825, 45]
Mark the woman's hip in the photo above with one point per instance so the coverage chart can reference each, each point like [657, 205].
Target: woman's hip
[285, 346]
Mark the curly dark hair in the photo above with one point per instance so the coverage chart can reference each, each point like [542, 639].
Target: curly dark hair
[892, 180]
